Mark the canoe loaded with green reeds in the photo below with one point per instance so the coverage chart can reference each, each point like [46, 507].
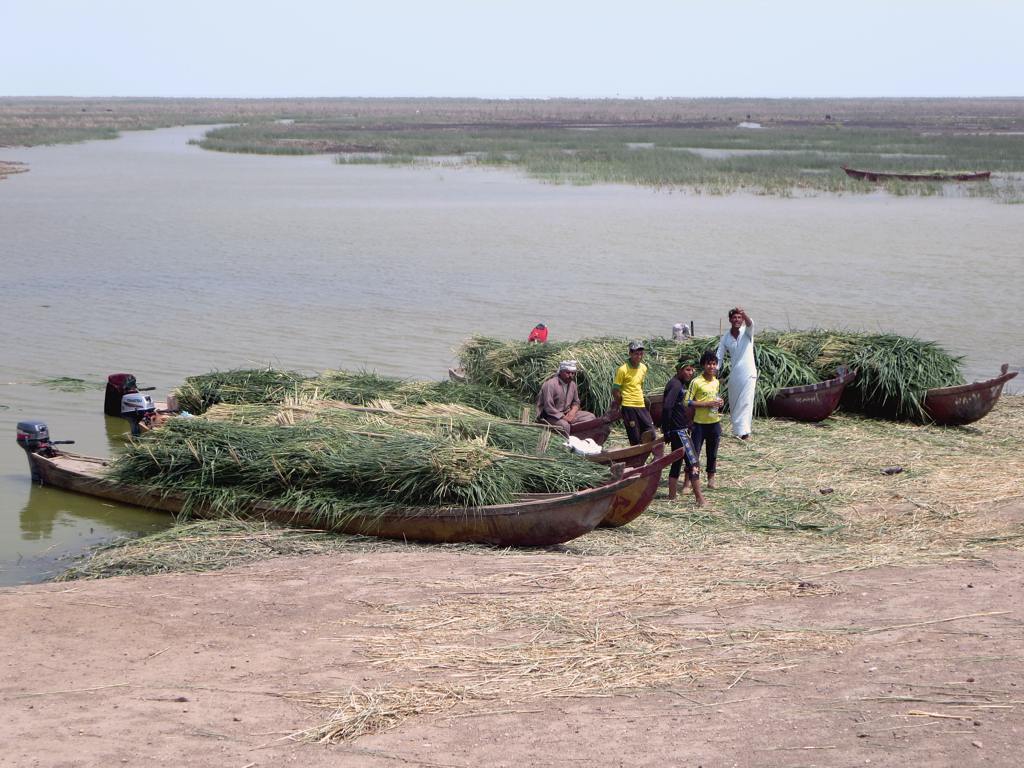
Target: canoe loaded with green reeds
[894, 372]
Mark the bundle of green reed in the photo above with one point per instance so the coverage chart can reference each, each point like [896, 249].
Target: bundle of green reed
[459, 422]
[893, 372]
[253, 385]
[359, 387]
[335, 473]
[521, 368]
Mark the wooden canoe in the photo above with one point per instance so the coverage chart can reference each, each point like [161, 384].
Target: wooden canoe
[630, 502]
[955, 406]
[596, 429]
[811, 402]
[530, 523]
[631, 456]
[853, 173]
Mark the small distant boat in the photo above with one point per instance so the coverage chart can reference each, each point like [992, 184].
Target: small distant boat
[964, 404]
[853, 173]
[810, 402]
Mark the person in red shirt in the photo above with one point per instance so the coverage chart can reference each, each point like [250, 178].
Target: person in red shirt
[539, 334]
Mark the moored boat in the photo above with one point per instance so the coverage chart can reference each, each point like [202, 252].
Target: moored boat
[532, 522]
[631, 456]
[854, 173]
[596, 429]
[810, 402]
[966, 403]
[630, 502]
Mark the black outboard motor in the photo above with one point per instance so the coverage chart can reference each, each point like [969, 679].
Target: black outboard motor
[119, 385]
[34, 437]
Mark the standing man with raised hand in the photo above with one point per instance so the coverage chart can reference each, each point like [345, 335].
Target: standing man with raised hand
[628, 394]
[738, 342]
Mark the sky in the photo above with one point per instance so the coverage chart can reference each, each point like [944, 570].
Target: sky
[521, 49]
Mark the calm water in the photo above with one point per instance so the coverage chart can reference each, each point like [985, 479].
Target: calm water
[150, 256]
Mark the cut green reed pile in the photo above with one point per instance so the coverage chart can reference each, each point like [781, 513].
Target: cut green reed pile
[268, 385]
[458, 422]
[520, 368]
[894, 372]
[330, 474]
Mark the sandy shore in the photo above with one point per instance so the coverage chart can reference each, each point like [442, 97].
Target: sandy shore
[911, 666]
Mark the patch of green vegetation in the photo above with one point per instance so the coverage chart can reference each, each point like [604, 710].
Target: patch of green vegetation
[692, 144]
[716, 160]
[70, 384]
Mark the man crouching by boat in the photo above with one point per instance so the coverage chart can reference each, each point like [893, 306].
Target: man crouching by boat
[558, 402]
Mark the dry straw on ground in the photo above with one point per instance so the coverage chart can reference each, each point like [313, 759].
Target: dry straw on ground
[628, 609]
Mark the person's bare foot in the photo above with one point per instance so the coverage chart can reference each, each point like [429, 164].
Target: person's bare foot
[712, 483]
[671, 497]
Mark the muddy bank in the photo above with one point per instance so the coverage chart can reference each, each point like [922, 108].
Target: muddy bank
[810, 666]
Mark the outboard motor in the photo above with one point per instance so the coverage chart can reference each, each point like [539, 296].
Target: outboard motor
[137, 408]
[119, 385]
[34, 437]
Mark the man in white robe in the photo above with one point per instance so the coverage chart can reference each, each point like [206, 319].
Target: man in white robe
[738, 343]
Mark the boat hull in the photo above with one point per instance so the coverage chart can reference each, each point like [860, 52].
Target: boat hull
[596, 429]
[531, 523]
[632, 456]
[956, 406]
[811, 402]
[854, 173]
[631, 501]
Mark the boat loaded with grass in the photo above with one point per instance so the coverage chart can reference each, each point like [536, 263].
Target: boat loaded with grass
[440, 473]
[887, 375]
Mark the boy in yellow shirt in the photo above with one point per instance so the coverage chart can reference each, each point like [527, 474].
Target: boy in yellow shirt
[628, 394]
[707, 428]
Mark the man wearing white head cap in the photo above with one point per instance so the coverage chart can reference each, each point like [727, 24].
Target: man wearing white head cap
[558, 402]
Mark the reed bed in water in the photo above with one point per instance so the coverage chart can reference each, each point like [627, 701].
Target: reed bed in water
[334, 474]
[268, 385]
